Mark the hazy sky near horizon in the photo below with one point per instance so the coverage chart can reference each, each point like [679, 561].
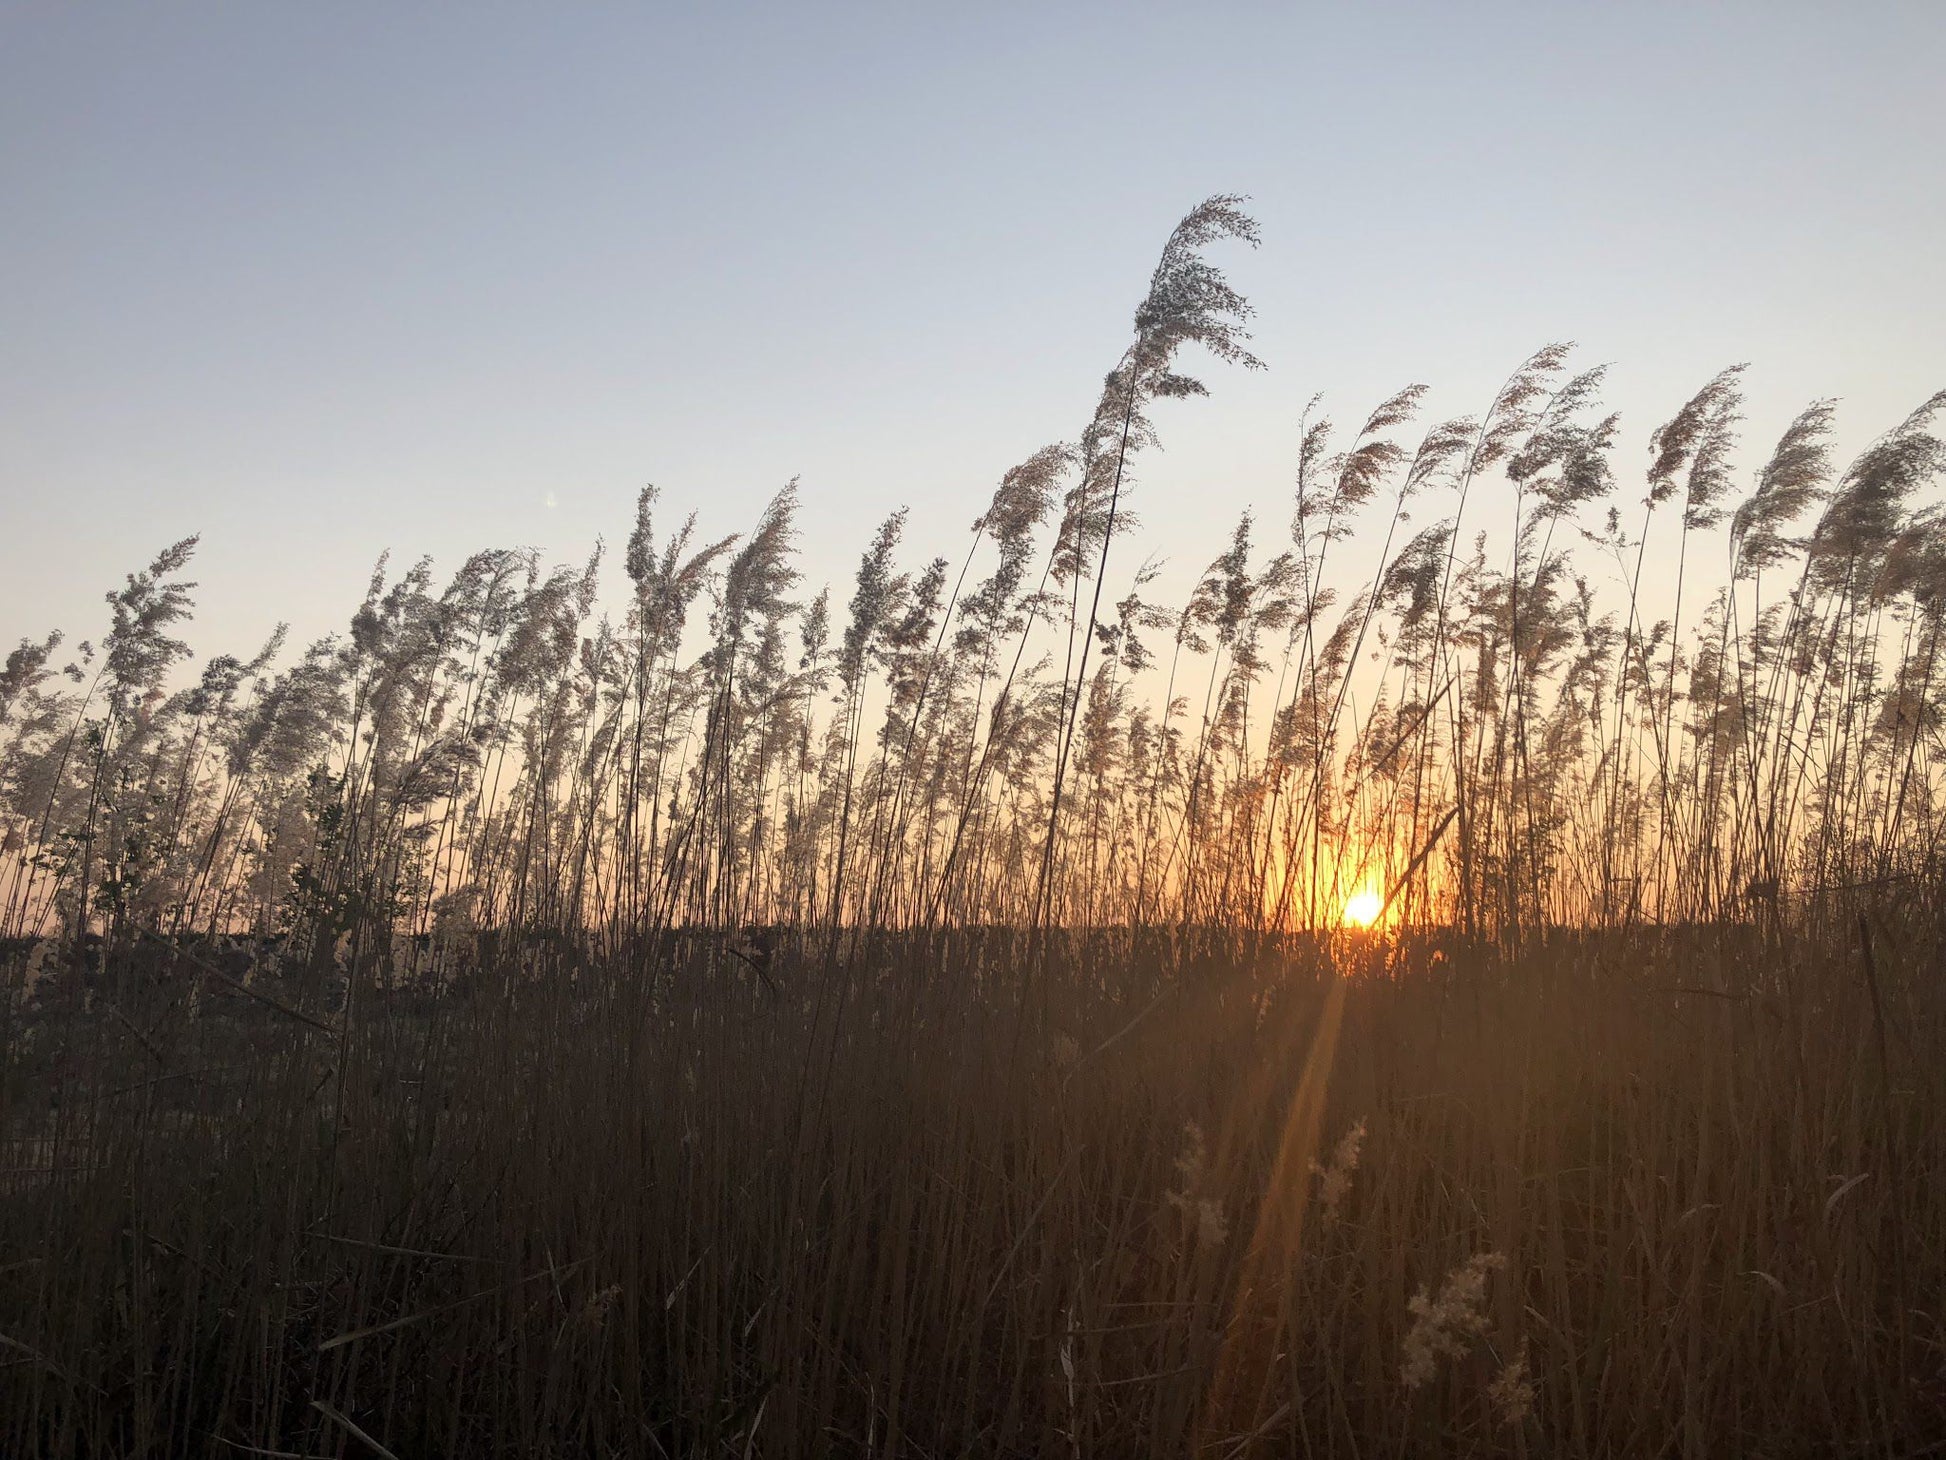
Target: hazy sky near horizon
[319, 281]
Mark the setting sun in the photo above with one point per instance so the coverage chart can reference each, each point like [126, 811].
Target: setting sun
[1363, 909]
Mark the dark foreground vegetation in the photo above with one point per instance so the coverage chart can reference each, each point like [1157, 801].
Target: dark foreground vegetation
[1662, 1194]
[729, 1025]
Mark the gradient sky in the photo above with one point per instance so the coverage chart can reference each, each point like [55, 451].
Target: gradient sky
[315, 281]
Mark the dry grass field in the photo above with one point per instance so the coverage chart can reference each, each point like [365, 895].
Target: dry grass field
[1441, 989]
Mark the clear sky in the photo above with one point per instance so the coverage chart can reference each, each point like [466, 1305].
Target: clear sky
[319, 280]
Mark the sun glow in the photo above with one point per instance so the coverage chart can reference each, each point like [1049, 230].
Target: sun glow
[1363, 909]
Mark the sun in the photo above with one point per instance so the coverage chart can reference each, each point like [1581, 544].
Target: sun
[1363, 909]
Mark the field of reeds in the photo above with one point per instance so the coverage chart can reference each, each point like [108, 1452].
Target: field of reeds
[1455, 984]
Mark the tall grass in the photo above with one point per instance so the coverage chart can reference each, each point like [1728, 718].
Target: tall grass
[738, 1024]
[995, 742]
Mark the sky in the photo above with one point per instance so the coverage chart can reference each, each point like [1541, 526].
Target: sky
[321, 281]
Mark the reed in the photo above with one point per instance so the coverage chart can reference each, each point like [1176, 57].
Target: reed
[687, 1023]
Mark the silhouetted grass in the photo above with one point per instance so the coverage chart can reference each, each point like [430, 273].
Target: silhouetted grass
[729, 1028]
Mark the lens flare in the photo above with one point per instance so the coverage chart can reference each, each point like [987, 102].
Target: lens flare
[1363, 909]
